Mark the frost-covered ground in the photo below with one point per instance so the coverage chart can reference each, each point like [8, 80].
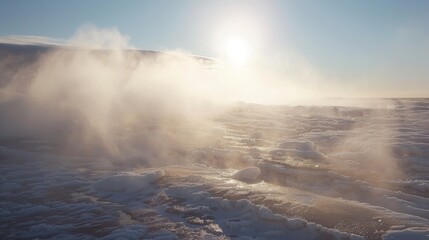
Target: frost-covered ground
[267, 172]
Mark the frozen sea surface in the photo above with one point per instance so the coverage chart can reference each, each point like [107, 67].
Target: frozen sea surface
[263, 172]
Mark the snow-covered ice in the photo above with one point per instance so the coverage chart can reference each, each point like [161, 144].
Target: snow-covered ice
[48, 195]
[247, 174]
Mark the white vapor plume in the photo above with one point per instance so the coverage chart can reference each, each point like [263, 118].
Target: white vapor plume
[98, 95]
[101, 96]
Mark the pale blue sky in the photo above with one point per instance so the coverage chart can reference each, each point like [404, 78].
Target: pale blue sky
[343, 39]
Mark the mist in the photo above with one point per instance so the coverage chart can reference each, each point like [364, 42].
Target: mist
[98, 95]
[86, 92]
[90, 94]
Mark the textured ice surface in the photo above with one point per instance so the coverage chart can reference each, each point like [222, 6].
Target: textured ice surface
[250, 174]
[271, 172]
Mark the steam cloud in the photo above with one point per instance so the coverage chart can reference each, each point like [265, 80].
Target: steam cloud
[98, 96]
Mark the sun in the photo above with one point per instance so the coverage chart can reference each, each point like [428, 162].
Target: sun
[237, 51]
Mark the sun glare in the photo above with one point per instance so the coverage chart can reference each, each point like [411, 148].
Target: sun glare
[237, 51]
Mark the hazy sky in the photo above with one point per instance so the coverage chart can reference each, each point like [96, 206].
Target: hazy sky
[383, 42]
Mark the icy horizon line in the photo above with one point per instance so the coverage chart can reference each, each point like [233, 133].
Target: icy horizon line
[35, 40]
